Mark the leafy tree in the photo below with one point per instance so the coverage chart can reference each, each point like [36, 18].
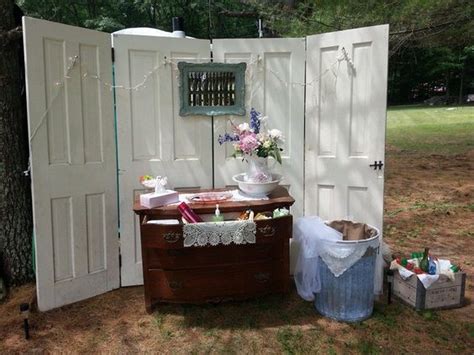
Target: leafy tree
[203, 19]
[430, 41]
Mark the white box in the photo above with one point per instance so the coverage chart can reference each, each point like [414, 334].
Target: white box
[157, 199]
[444, 293]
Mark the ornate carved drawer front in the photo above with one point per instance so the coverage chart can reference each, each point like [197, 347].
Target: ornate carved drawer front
[270, 229]
[161, 236]
[197, 257]
[171, 236]
[214, 284]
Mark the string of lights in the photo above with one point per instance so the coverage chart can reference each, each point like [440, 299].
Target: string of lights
[252, 65]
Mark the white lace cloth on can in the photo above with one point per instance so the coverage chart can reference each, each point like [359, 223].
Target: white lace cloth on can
[340, 256]
[214, 233]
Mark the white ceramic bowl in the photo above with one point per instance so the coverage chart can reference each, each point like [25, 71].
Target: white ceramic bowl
[257, 189]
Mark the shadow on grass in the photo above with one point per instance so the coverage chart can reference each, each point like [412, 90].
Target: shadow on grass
[265, 311]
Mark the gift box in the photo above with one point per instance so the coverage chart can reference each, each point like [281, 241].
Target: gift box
[157, 199]
[443, 293]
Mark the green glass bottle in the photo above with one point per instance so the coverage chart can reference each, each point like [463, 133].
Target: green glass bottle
[424, 263]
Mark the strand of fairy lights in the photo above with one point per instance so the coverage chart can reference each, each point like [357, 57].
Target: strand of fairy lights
[60, 85]
[173, 62]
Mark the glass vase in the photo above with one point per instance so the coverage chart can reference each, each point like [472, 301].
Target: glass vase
[258, 170]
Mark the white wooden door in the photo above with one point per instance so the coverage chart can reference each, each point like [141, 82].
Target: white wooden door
[345, 124]
[72, 149]
[275, 87]
[152, 137]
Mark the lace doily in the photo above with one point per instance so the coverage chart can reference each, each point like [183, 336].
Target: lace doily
[341, 256]
[214, 233]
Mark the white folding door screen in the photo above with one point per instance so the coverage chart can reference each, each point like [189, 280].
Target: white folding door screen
[73, 151]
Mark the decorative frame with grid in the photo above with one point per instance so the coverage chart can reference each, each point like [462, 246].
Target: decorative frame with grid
[212, 89]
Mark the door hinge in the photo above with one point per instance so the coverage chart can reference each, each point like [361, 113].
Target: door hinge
[112, 52]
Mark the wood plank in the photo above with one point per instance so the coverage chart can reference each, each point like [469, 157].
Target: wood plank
[278, 198]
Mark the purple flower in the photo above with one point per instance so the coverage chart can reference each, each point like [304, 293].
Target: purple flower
[255, 121]
[227, 138]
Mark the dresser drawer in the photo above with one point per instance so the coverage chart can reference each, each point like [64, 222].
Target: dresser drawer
[198, 257]
[171, 236]
[217, 284]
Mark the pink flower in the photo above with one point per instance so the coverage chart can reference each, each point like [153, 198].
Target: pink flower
[249, 143]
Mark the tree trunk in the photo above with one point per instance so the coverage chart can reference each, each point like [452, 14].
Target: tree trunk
[461, 85]
[448, 86]
[15, 200]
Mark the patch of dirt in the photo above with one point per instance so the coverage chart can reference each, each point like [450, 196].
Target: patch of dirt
[428, 202]
[433, 206]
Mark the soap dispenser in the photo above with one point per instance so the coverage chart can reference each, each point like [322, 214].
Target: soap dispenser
[217, 215]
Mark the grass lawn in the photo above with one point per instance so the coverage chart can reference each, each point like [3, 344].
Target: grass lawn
[431, 130]
[429, 201]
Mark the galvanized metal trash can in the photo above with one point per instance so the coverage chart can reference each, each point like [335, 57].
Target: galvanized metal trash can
[349, 297]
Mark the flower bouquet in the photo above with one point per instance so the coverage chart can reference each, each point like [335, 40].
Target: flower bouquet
[255, 143]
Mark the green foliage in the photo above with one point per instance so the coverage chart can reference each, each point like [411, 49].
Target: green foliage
[430, 41]
[307, 17]
[113, 15]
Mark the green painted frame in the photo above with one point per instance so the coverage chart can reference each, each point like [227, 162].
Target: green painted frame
[237, 109]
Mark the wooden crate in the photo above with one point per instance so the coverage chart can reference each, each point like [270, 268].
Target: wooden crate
[444, 293]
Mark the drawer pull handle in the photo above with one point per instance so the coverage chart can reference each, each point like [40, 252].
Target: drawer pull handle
[267, 231]
[175, 252]
[262, 277]
[175, 285]
[171, 237]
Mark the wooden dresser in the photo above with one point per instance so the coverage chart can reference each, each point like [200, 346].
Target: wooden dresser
[212, 274]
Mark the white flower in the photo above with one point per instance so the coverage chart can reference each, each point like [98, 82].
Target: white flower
[266, 144]
[243, 127]
[262, 137]
[275, 134]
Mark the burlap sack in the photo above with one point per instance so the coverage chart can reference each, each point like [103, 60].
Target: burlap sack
[353, 231]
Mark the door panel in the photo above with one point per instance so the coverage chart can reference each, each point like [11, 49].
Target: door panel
[345, 125]
[153, 138]
[275, 87]
[72, 150]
